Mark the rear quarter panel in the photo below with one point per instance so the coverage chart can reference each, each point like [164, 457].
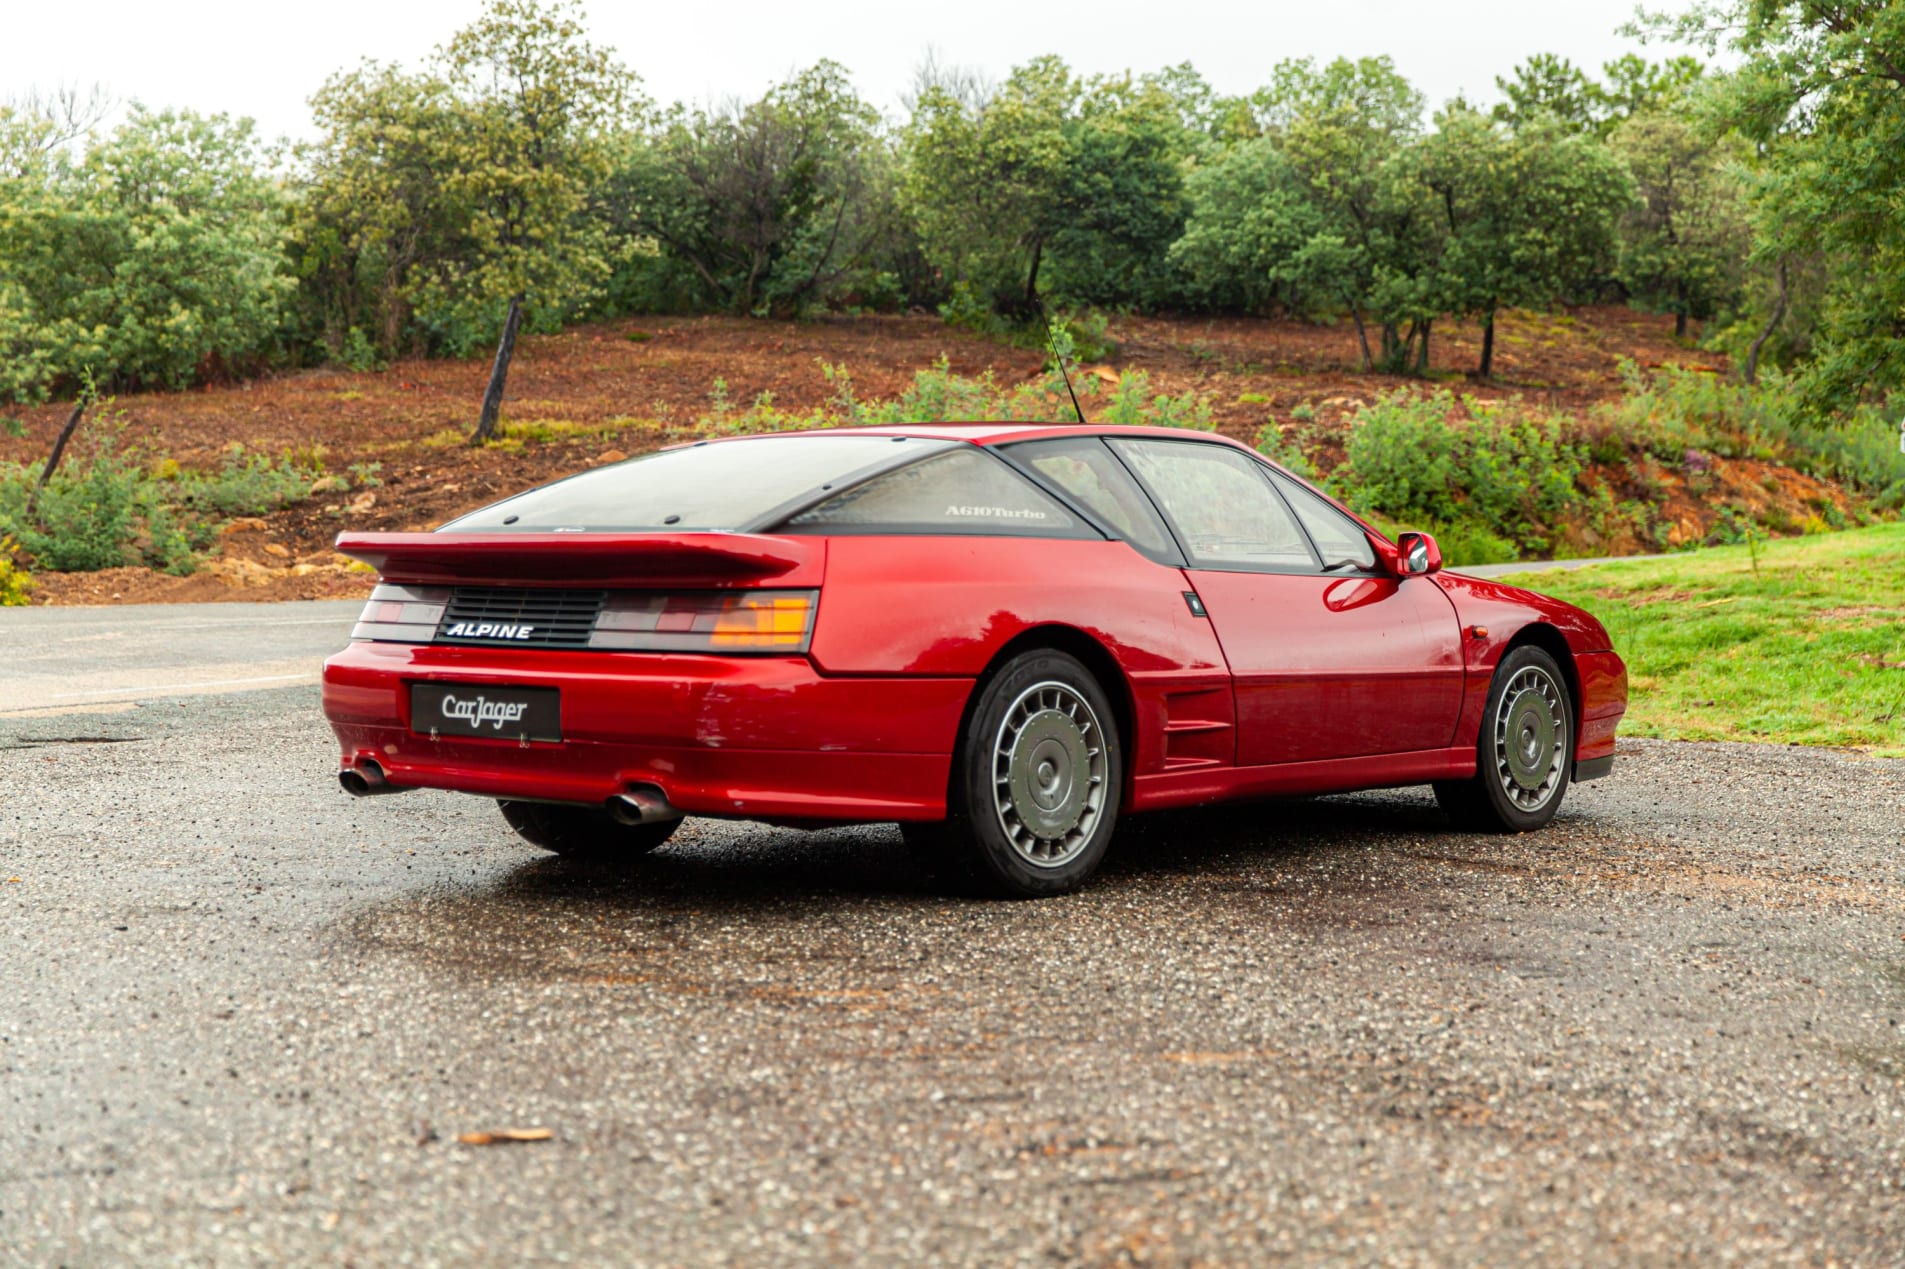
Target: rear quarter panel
[946, 606]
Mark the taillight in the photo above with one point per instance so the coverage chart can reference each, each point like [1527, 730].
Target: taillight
[402, 614]
[707, 621]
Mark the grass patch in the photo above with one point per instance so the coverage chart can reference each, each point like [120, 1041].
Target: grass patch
[1807, 647]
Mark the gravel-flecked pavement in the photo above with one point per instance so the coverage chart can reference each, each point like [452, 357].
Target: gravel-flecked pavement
[245, 1019]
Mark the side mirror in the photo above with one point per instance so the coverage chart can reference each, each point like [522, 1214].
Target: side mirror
[1419, 555]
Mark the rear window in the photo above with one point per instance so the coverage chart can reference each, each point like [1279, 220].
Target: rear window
[720, 485]
[964, 491]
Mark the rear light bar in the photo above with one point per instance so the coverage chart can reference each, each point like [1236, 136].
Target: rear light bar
[707, 621]
[402, 614]
[629, 621]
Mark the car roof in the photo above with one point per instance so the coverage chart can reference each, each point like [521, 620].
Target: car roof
[1002, 433]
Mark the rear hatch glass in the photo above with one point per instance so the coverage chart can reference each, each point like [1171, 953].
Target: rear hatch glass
[722, 485]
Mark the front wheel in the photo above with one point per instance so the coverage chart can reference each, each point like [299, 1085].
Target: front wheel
[1037, 781]
[1525, 753]
[583, 832]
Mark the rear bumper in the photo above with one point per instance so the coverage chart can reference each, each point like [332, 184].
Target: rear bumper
[745, 737]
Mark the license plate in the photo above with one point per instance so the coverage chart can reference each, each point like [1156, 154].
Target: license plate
[471, 709]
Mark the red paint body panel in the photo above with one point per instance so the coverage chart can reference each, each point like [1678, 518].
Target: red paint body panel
[767, 737]
[946, 606]
[1292, 684]
[1506, 612]
[1335, 667]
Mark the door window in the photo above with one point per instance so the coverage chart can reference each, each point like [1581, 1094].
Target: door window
[1339, 539]
[1226, 514]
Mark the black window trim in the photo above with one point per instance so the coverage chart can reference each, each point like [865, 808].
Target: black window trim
[1175, 558]
[1315, 570]
[779, 521]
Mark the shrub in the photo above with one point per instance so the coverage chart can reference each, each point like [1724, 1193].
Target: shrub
[1507, 473]
[14, 580]
[108, 508]
[1675, 411]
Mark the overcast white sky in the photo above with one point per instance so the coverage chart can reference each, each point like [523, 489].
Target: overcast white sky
[264, 59]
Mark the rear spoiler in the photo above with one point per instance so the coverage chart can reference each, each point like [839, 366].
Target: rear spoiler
[596, 559]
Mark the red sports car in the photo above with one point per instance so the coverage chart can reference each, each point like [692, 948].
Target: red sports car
[1002, 636]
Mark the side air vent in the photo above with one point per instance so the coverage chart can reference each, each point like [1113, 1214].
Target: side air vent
[520, 617]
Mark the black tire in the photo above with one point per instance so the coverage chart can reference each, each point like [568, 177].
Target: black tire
[1037, 783]
[584, 832]
[1524, 756]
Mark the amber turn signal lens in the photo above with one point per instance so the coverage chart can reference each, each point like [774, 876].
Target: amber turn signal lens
[762, 621]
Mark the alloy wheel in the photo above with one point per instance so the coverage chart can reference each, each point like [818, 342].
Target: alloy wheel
[1049, 774]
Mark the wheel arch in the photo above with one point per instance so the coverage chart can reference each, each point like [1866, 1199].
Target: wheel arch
[1090, 653]
[1539, 634]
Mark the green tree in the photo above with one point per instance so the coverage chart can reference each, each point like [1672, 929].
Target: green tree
[1820, 90]
[1548, 86]
[1529, 215]
[1346, 130]
[1685, 240]
[373, 219]
[460, 201]
[1252, 217]
[153, 259]
[1048, 170]
[1553, 88]
[537, 110]
[776, 205]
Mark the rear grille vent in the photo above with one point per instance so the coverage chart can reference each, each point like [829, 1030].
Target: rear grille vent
[520, 617]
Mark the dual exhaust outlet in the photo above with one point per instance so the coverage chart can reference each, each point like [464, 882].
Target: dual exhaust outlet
[640, 804]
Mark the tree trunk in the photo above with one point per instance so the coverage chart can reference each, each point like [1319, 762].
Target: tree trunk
[1488, 345]
[499, 374]
[59, 452]
[1362, 338]
[1422, 353]
[1751, 373]
[1680, 324]
[1032, 304]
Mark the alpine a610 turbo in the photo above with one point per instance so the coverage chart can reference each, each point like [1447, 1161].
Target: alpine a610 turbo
[1004, 637]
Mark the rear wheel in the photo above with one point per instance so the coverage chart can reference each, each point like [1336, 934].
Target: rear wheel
[584, 832]
[1525, 752]
[1036, 782]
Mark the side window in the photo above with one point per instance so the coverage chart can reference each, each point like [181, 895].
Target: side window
[1340, 539]
[1086, 470]
[962, 491]
[1223, 506]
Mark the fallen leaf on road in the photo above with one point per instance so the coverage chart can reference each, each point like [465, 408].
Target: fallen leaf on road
[504, 1136]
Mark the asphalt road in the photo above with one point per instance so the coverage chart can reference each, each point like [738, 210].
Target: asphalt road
[244, 1019]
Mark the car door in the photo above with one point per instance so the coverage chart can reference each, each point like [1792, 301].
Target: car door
[1330, 657]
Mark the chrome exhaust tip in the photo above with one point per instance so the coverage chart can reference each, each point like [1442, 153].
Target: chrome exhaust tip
[366, 779]
[641, 804]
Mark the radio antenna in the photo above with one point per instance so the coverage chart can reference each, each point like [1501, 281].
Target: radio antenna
[1052, 340]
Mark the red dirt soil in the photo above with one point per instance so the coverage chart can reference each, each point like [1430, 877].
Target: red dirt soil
[639, 383]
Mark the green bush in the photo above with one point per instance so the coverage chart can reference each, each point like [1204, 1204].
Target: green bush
[14, 580]
[1674, 412]
[1506, 475]
[108, 508]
